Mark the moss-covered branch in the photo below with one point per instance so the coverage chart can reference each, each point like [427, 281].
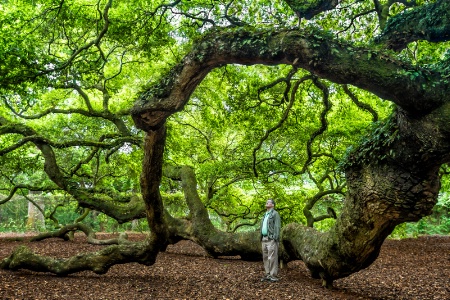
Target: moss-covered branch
[122, 211]
[430, 22]
[415, 89]
[97, 262]
[200, 229]
[310, 8]
[63, 233]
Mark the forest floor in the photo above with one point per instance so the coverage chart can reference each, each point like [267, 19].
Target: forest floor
[416, 268]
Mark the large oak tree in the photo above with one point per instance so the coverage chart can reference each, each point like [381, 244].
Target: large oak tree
[392, 50]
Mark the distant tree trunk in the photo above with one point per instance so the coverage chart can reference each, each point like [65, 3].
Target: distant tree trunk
[134, 225]
[35, 218]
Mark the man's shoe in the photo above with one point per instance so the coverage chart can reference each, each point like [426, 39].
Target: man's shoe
[265, 278]
[273, 279]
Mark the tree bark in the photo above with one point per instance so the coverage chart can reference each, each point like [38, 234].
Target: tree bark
[98, 262]
[382, 193]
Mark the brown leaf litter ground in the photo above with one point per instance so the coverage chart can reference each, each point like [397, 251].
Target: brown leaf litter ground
[417, 268]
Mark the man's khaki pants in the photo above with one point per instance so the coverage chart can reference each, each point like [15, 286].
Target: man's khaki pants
[270, 256]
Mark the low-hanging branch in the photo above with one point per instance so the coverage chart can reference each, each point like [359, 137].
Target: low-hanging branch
[122, 211]
[98, 262]
[87, 230]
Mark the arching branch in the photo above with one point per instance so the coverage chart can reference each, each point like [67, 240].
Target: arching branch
[322, 55]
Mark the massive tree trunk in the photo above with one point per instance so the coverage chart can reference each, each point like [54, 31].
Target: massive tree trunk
[388, 184]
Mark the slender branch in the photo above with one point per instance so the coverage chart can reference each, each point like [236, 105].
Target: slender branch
[323, 121]
[208, 141]
[362, 105]
[353, 18]
[233, 20]
[105, 114]
[280, 122]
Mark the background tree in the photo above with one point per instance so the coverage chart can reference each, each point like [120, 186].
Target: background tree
[271, 128]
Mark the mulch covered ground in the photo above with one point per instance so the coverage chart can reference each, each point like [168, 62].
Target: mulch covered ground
[406, 269]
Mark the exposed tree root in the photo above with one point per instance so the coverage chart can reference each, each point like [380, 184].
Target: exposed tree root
[97, 262]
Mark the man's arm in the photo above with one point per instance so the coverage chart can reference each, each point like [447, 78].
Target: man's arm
[277, 227]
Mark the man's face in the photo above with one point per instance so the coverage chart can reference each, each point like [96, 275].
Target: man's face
[269, 204]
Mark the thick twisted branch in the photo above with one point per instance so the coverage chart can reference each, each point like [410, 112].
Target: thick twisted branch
[373, 71]
[429, 22]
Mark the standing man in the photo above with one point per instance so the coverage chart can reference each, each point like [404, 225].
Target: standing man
[270, 238]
